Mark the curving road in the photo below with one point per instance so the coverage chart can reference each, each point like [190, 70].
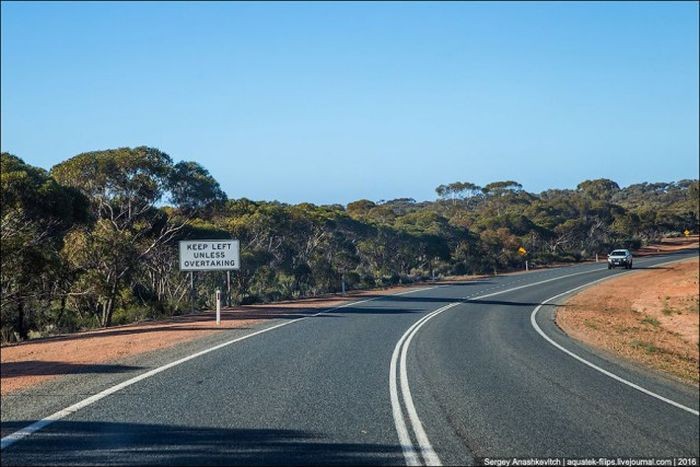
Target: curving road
[444, 374]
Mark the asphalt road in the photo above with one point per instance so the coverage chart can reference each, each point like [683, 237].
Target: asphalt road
[482, 381]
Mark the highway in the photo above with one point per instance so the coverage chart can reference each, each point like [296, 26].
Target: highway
[441, 375]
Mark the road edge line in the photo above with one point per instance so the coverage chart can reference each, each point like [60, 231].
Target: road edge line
[399, 422]
[22, 433]
[396, 408]
[533, 321]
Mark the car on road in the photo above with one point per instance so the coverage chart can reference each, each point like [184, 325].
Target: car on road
[620, 258]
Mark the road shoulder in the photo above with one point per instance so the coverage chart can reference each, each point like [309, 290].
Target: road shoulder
[648, 319]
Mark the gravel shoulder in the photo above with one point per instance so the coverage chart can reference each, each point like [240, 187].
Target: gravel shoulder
[649, 317]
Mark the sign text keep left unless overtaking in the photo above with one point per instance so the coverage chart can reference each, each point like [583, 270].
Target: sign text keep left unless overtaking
[209, 255]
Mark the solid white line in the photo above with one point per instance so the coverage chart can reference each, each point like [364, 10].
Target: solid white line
[430, 457]
[533, 320]
[12, 438]
[424, 446]
[409, 451]
[417, 290]
[536, 283]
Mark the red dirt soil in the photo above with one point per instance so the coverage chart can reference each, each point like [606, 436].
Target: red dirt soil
[669, 245]
[650, 317]
[49, 355]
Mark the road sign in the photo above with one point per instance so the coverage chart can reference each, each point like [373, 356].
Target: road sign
[209, 255]
[686, 232]
[522, 251]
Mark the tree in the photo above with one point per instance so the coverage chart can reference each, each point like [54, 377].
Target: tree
[194, 189]
[36, 213]
[458, 190]
[601, 189]
[125, 186]
[500, 194]
[360, 208]
[502, 188]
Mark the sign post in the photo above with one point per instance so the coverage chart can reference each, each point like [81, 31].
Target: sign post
[192, 292]
[210, 255]
[218, 307]
[522, 252]
[228, 288]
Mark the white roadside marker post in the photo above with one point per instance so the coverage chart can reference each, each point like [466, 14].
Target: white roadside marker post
[218, 307]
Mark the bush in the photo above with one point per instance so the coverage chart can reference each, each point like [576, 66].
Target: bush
[631, 243]
[130, 314]
[352, 280]
[250, 299]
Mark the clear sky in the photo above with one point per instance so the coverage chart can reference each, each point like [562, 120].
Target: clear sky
[333, 102]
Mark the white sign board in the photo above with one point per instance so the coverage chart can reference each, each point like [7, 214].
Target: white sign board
[209, 255]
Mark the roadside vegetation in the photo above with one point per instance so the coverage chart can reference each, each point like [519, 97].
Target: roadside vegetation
[650, 317]
[93, 241]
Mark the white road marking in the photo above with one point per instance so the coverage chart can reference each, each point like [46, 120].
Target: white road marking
[533, 320]
[426, 449]
[430, 457]
[409, 452]
[416, 290]
[12, 438]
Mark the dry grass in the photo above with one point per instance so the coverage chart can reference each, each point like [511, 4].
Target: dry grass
[650, 317]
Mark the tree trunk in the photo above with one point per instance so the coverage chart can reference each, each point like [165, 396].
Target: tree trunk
[21, 322]
[108, 312]
[63, 308]
[108, 307]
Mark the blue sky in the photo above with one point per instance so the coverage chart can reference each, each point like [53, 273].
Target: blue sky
[333, 102]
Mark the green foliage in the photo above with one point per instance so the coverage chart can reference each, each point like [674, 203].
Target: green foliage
[125, 186]
[94, 243]
[599, 189]
[36, 213]
[193, 188]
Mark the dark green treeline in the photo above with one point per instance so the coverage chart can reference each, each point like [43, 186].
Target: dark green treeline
[93, 242]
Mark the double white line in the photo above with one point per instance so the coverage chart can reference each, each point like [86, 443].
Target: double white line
[422, 448]
[397, 371]
[398, 359]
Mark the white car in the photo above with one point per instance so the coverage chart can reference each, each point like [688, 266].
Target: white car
[620, 258]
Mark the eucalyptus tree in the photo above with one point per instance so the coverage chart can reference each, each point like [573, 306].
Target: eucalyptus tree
[458, 191]
[125, 187]
[601, 189]
[36, 212]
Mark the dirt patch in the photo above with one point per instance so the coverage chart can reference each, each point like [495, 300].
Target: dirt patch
[669, 245]
[650, 317]
[32, 362]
